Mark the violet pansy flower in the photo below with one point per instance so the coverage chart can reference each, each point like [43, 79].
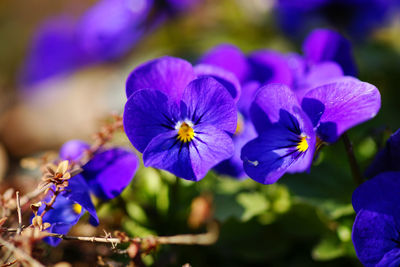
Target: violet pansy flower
[68, 208]
[375, 234]
[181, 124]
[108, 172]
[289, 131]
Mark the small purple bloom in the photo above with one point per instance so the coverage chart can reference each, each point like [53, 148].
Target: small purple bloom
[376, 235]
[108, 172]
[357, 17]
[388, 158]
[181, 124]
[69, 207]
[289, 131]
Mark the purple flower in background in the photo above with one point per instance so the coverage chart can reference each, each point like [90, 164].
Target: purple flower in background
[388, 158]
[181, 124]
[108, 172]
[289, 131]
[106, 31]
[357, 17]
[68, 208]
[375, 234]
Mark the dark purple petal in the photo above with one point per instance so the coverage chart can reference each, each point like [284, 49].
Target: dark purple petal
[327, 45]
[167, 153]
[228, 57]
[388, 159]
[167, 74]
[147, 114]
[234, 165]
[182, 5]
[269, 66]
[208, 102]
[345, 104]
[54, 51]
[226, 78]
[209, 147]
[379, 194]
[269, 102]
[111, 27]
[376, 238]
[249, 91]
[73, 150]
[78, 191]
[268, 157]
[109, 172]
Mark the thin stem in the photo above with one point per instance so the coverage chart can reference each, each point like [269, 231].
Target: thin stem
[19, 229]
[355, 169]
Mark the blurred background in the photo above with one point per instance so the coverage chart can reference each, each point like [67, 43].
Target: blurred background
[63, 69]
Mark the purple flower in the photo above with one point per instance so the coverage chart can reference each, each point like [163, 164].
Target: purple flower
[388, 158]
[108, 172]
[68, 208]
[376, 235]
[357, 17]
[106, 31]
[289, 131]
[181, 124]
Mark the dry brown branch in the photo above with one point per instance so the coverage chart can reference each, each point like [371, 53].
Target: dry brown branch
[21, 255]
[19, 229]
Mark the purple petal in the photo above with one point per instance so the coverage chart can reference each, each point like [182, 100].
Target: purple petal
[318, 74]
[210, 103]
[228, 57]
[147, 114]
[167, 74]
[270, 67]
[165, 152]
[57, 228]
[268, 157]
[226, 78]
[249, 91]
[54, 51]
[78, 191]
[345, 104]
[111, 27]
[375, 238]
[268, 103]
[73, 150]
[234, 165]
[327, 45]
[380, 194]
[388, 159]
[209, 147]
[109, 172]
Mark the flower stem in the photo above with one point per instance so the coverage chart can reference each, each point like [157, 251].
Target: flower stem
[355, 169]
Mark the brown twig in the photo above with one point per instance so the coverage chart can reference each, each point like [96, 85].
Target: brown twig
[21, 253]
[208, 238]
[355, 170]
[19, 229]
[9, 263]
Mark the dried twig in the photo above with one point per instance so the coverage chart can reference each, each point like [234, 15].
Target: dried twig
[32, 262]
[19, 229]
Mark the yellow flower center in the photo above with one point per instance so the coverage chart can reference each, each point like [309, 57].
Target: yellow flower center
[302, 145]
[185, 132]
[77, 208]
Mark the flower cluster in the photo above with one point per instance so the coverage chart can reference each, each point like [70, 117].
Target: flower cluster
[183, 118]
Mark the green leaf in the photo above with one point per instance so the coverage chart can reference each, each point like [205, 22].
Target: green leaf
[253, 203]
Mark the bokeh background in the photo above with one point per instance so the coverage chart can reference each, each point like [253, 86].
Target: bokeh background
[304, 220]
